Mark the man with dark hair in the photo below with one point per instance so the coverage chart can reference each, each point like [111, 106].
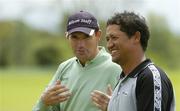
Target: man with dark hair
[142, 85]
[91, 69]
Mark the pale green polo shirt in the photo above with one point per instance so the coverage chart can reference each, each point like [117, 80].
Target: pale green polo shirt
[81, 81]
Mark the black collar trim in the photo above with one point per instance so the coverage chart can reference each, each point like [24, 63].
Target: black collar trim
[138, 69]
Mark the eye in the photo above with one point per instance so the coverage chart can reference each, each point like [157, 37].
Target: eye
[114, 38]
[111, 37]
[73, 37]
[87, 36]
[107, 38]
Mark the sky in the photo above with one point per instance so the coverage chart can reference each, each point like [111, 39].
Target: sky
[45, 14]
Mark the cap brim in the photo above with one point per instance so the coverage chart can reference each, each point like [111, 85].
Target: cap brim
[85, 30]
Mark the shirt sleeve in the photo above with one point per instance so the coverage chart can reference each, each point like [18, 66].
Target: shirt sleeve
[154, 91]
[145, 92]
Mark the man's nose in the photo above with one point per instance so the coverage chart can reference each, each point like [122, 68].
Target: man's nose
[109, 44]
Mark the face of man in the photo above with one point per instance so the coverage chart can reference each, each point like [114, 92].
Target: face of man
[84, 46]
[118, 44]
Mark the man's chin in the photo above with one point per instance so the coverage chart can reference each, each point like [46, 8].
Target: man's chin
[115, 60]
[81, 57]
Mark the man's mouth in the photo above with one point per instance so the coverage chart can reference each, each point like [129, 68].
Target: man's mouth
[113, 51]
[80, 51]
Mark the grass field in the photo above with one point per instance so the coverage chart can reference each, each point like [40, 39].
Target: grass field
[19, 89]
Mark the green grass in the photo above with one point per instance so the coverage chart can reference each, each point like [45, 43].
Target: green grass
[20, 89]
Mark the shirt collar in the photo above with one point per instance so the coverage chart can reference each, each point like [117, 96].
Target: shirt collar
[138, 69]
[97, 58]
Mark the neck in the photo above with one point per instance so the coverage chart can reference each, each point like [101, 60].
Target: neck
[132, 63]
[83, 62]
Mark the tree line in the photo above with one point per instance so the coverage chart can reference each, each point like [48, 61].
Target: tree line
[22, 45]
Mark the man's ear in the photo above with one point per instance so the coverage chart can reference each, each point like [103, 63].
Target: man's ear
[66, 35]
[98, 34]
[137, 37]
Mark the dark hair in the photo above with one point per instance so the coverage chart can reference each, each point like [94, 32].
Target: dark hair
[130, 23]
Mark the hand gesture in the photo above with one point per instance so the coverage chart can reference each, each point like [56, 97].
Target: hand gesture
[101, 99]
[55, 94]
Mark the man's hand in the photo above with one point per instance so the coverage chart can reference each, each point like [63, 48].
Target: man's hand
[101, 99]
[55, 94]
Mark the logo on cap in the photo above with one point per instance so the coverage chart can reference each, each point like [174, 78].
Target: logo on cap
[82, 21]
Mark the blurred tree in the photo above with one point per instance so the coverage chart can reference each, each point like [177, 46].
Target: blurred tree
[102, 25]
[23, 45]
[63, 23]
[47, 56]
[6, 32]
[162, 46]
[19, 45]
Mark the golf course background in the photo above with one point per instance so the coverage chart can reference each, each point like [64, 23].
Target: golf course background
[20, 88]
[29, 56]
